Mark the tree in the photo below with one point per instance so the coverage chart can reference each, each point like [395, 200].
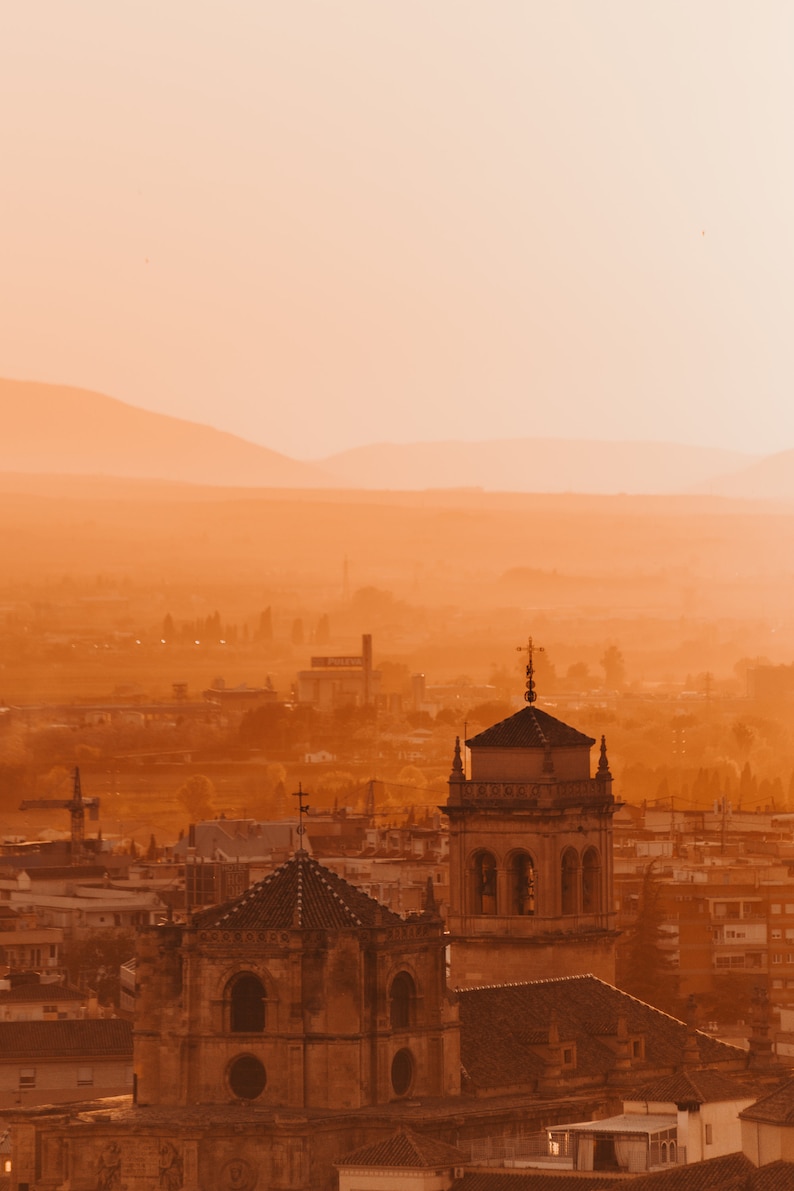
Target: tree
[322, 634]
[196, 797]
[743, 736]
[730, 997]
[265, 630]
[614, 666]
[648, 972]
[489, 713]
[265, 727]
[94, 961]
[578, 672]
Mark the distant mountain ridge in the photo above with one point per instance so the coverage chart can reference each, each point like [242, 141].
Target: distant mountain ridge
[61, 430]
[56, 429]
[771, 478]
[537, 465]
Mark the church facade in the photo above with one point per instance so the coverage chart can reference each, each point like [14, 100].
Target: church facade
[303, 993]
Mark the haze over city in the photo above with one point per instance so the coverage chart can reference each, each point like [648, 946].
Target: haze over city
[396, 634]
[325, 225]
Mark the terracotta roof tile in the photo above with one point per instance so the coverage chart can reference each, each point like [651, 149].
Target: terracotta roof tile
[692, 1087]
[530, 728]
[777, 1176]
[776, 1108]
[302, 893]
[44, 993]
[497, 1180]
[407, 1150]
[500, 1024]
[729, 1173]
[97, 1037]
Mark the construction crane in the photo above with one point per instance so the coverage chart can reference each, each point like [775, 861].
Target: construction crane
[76, 806]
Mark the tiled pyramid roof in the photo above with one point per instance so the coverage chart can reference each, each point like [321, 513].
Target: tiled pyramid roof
[530, 728]
[301, 893]
[500, 1024]
[407, 1150]
[692, 1087]
[777, 1108]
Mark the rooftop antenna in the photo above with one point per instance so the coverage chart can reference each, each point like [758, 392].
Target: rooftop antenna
[303, 809]
[530, 694]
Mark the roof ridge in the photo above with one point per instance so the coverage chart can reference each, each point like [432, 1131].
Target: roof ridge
[545, 980]
[539, 725]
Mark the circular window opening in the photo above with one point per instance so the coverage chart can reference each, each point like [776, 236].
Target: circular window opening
[402, 1071]
[247, 1077]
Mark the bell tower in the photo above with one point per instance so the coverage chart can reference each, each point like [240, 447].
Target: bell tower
[531, 876]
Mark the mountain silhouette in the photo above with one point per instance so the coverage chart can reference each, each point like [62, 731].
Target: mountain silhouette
[771, 478]
[535, 465]
[57, 430]
[60, 430]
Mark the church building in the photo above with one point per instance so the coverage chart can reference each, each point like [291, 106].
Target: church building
[530, 854]
[303, 1020]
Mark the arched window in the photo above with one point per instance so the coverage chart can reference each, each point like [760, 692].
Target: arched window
[591, 882]
[402, 998]
[483, 883]
[247, 1002]
[522, 884]
[568, 881]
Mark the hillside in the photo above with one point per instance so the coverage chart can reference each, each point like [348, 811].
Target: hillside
[771, 478]
[535, 465]
[55, 429]
[60, 430]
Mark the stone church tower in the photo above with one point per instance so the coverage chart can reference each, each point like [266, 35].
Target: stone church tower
[531, 879]
[302, 993]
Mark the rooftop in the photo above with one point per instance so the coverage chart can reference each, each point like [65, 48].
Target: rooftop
[501, 1025]
[46, 993]
[406, 1150]
[81, 1038]
[299, 894]
[531, 728]
[776, 1108]
[692, 1087]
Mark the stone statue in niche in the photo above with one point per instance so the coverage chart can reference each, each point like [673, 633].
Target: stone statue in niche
[170, 1167]
[108, 1168]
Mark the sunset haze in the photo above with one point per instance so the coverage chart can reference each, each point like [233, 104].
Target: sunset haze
[319, 226]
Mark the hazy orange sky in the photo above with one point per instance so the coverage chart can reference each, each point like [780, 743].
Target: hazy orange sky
[324, 224]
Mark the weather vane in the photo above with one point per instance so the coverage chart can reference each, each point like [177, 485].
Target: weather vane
[303, 809]
[530, 694]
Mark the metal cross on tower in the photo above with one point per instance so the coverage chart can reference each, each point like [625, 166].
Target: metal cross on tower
[530, 694]
[303, 809]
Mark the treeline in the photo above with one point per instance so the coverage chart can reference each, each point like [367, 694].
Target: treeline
[261, 629]
[701, 789]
